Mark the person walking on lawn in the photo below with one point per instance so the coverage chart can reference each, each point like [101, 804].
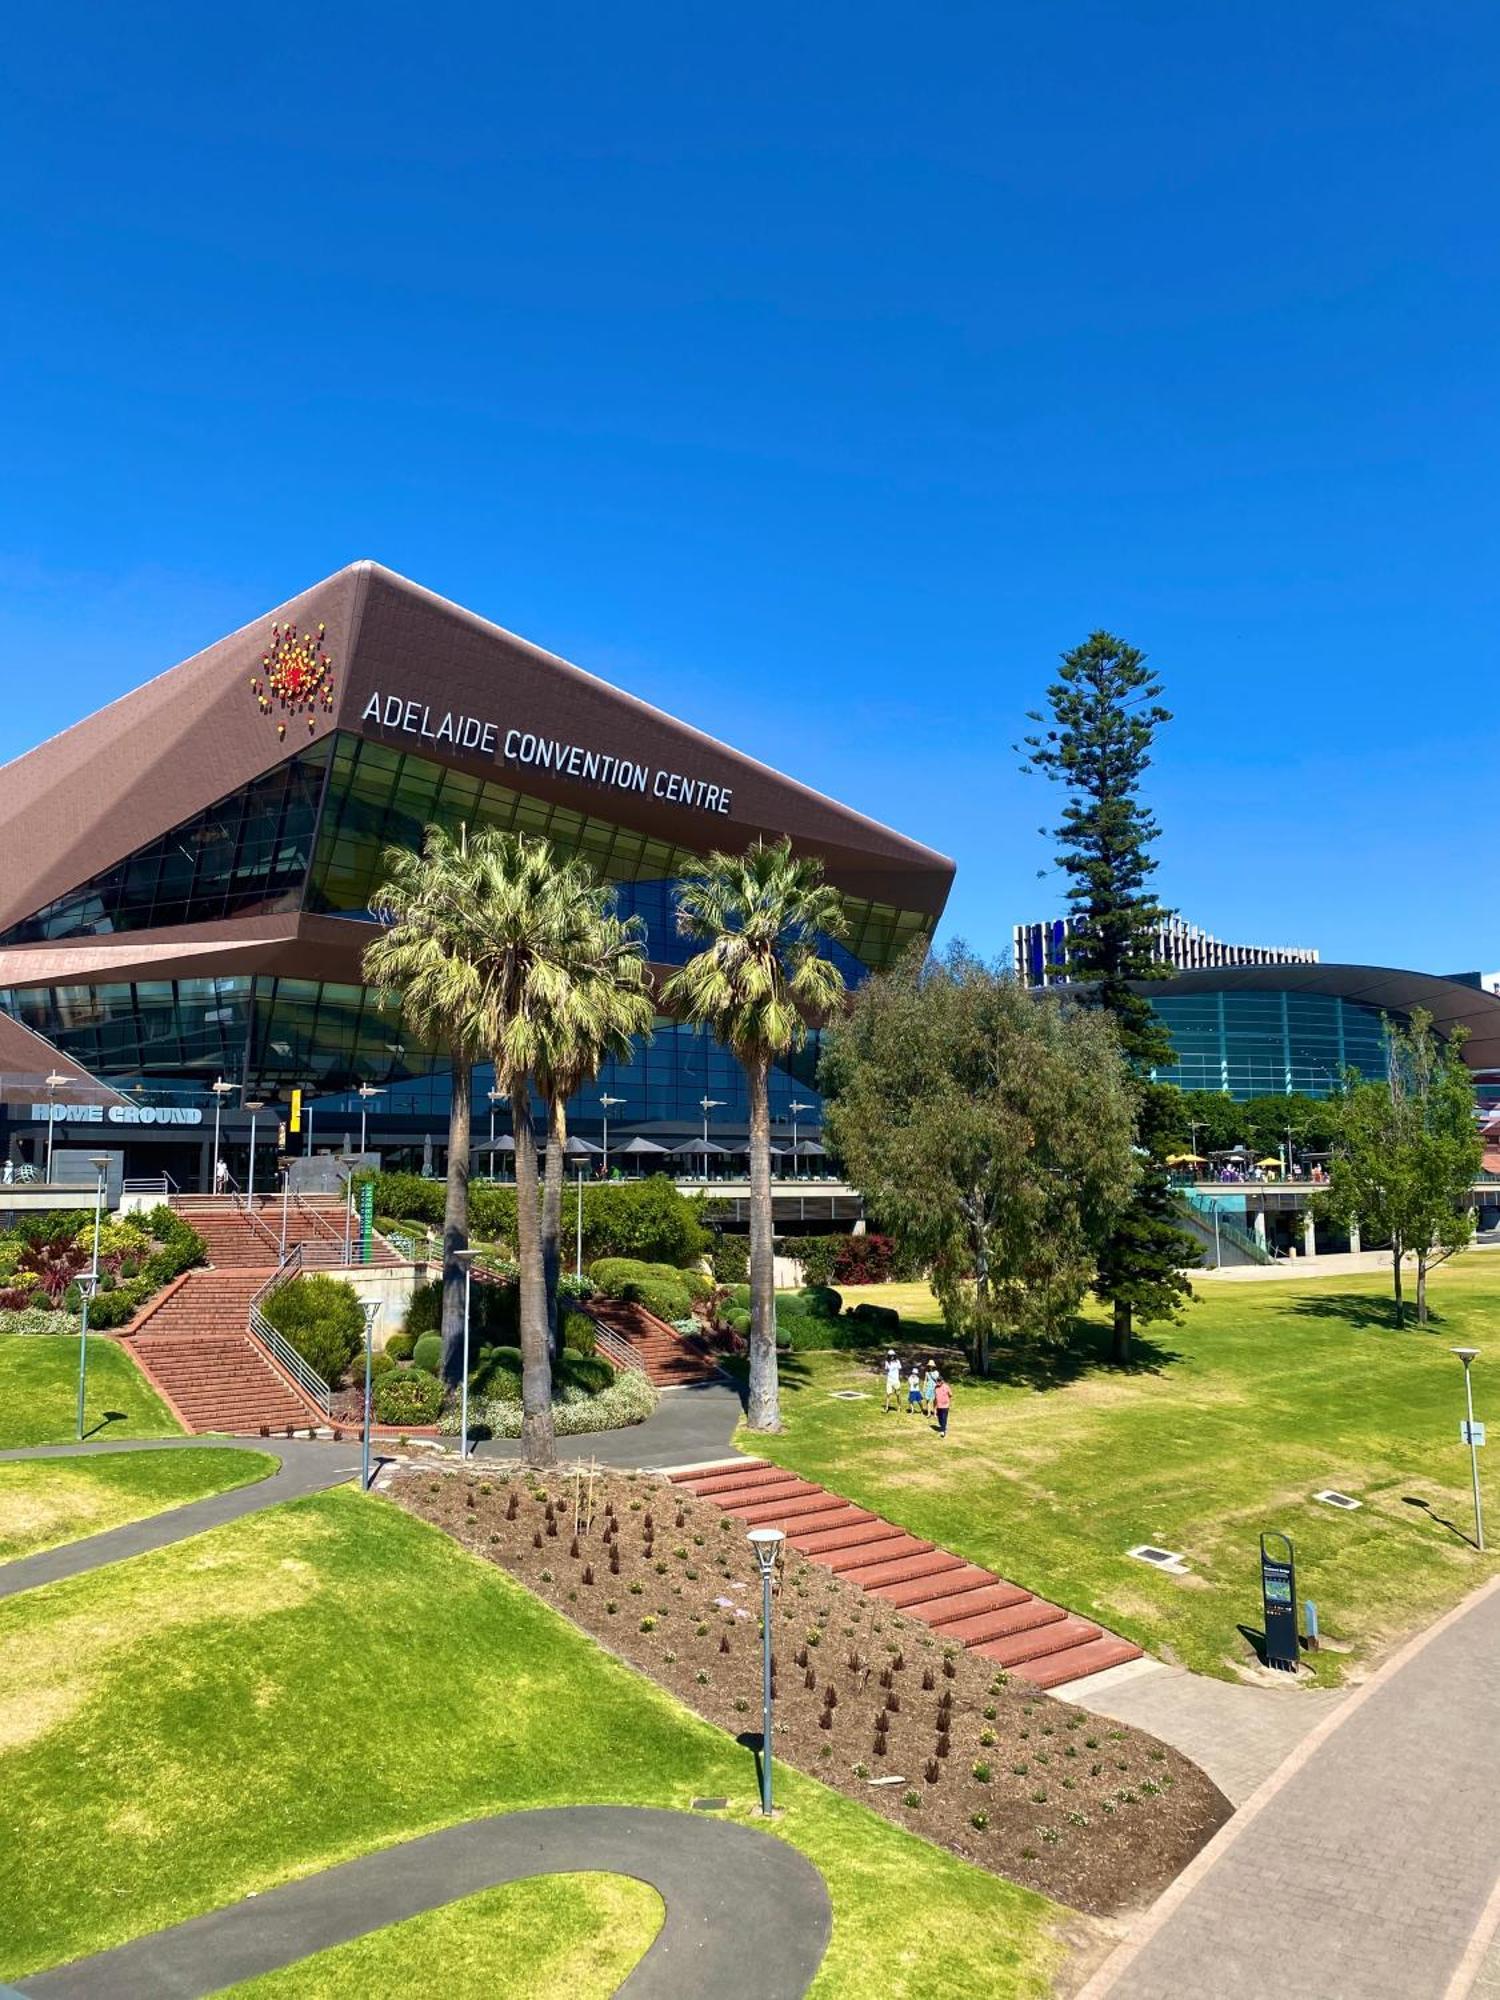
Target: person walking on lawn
[892, 1381]
[942, 1396]
[929, 1387]
[913, 1392]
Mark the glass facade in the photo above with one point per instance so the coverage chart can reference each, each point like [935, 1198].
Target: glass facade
[310, 836]
[1256, 1044]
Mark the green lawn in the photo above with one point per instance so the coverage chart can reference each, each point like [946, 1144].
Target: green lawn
[1269, 1392]
[333, 1675]
[39, 1393]
[583, 1933]
[45, 1501]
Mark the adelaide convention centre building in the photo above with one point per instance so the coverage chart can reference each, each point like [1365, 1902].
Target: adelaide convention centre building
[188, 873]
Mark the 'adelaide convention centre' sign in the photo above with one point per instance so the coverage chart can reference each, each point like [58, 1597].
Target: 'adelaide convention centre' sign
[546, 753]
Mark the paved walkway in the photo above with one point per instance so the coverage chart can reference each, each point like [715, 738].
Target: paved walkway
[692, 1425]
[1368, 1867]
[1238, 1734]
[748, 1917]
[304, 1466]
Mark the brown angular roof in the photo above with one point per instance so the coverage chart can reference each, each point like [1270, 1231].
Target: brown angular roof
[94, 794]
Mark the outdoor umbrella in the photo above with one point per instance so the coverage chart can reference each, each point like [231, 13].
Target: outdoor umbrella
[699, 1146]
[640, 1147]
[810, 1149]
[1274, 1161]
[577, 1148]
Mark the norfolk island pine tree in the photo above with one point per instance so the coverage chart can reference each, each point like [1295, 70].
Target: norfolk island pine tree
[755, 984]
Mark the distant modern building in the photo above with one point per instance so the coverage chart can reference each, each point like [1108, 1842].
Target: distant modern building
[188, 875]
[1041, 950]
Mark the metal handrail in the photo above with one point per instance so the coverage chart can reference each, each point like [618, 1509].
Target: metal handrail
[260, 1329]
[149, 1184]
[614, 1349]
[1244, 1240]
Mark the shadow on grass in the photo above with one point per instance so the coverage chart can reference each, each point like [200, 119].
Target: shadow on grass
[1425, 1506]
[1363, 1311]
[1084, 1351]
[109, 1417]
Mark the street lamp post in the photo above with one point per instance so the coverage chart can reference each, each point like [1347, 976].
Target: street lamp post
[1468, 1356]
[705, 1105]
[795, 1107]
[766, 1544]
[55, 1083]
[221, 1090]
[466, 1258]
[253, 1105]
[578, 1254]
[366, 1092]
[371, 1311]
[100, 1164]
[606, 1105]
[495, 1097]
[286, 1175]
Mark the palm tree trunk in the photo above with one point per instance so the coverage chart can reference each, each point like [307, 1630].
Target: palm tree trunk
[552, 1200]
[764, 1413]
[456, 1223]
[538, 1443]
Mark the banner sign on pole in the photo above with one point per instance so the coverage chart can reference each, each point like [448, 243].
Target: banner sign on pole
[366, 1219]
[1278, 1592]
[296, 1110]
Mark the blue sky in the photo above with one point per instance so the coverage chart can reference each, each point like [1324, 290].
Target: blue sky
[819, 374]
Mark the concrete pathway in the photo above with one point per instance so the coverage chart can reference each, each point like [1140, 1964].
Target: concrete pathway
[692, 1425]
[1236, 1733]
[304, 1466]
[1368, 1866]
[748, 1917]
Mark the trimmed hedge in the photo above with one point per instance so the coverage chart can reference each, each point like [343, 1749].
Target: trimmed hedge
[408, 1396]
[628, 1399]
[428, 1353]
[399, 1346]
[660, 1288]
[321, 1317]
[648, 1218]
[731, 1260]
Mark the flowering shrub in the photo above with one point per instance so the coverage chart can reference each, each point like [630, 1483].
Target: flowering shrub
[629, 1399]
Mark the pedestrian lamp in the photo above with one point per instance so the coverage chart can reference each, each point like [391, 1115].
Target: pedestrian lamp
[87, 1284]
[55, 1083]
[1468, 1356]
[606, 1105]
[795, 1107]
[221, 1090]
[366, 1092]
[371, 1310]
[578, 1253]
[766, 1543]
[466, 1258]
[253, 1105]
[495, 1097]
[705, 1105]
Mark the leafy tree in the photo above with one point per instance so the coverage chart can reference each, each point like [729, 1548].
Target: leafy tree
[990, 1131]
[759, 917]
[1407, 1152]
[606, 1000]
[424, 955]
[1105, 711]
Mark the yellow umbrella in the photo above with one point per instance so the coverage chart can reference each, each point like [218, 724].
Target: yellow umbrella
[1184, 1160]
[1274, 1161]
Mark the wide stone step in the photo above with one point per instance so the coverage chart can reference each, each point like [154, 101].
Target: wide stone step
[1000, 1623]
[717, 1485]
[836, 1518]
[927, 1590]
[768, 1500]
[1038, 1642]
[889, 1562]
[1094, 1656]
[942, 1612]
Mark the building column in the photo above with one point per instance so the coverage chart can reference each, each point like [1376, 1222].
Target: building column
[1354, 1244]
[206, 1167]
[1260, 1227]
[1309, 1236]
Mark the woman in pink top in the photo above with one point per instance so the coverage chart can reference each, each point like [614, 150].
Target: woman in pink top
[942, 1396]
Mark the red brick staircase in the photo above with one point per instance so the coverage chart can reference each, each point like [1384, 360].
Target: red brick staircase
[191, 1345]
[670, 1361]
[238, 1239]
[960, 1601]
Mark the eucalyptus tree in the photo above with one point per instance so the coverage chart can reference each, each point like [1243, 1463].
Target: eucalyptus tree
[758, 980]
[606, 1003]
[424, 956]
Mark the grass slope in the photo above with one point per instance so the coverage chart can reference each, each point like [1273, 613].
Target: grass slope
[333, 1675]
[39, 1393]
[46, 1501]
[1269, 1392]
[582, 1934]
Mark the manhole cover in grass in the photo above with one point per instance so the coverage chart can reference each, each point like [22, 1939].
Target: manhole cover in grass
[1341, 1500]
[1166, 1559]
[709, 1805]
[851, 1396]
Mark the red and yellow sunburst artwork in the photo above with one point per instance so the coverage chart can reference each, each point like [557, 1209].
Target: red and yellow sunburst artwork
[296, 676]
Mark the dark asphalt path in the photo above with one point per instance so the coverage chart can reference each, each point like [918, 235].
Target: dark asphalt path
[748, 1917]
[689, 1426]
[305, 1466]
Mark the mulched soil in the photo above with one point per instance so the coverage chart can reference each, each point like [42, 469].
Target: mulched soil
[1091, 1813]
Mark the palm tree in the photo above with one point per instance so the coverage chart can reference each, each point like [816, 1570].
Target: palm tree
[759, 916]
[535, 932]
[608, 1002]
[424, 956]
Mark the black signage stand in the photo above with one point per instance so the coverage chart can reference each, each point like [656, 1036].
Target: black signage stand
[1278, 1593]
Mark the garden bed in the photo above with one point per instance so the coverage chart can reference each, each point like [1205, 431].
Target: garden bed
[1091, 1813]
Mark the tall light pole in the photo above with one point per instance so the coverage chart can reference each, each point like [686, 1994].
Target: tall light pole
[253, 1105]
[366, 1092]
[371, 1310]
[55, 1083]
[766, 1544]
[606, 1105]
[795, 1107]
[578, 1255]
[466, 1258]
[100, 1164]
[1468, 1356]
[221, 1090]
[495, 1097]
[705, 1105]
[286, 1175]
